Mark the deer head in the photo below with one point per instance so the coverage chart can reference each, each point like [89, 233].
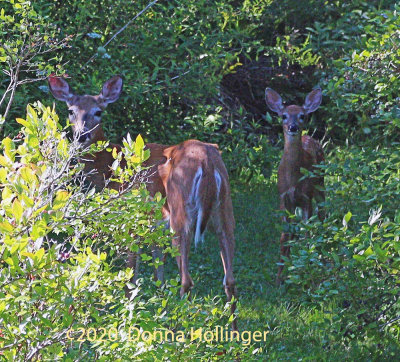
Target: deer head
[293, 116]
[85, 111]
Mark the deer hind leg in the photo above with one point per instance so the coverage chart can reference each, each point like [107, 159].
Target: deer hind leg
[226, 243]
[181, 223]
[183, 263]
[181, 240]
[222, 225]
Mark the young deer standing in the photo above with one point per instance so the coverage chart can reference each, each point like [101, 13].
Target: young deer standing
[299, 152]
[191, 175]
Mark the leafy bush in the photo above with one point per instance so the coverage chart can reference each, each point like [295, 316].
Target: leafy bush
[360, 79]
[352, 259]
[195, 70]
[62, 251]
[28, 47]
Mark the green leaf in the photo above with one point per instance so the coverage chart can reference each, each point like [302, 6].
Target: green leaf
[28, 175]
[3, 161]
[367, 130]
[368, 252]
[3, 174]
[139, 144]
[61, 199]
[6, 227]
[23, 122]
[347, 218]
[27, 200]
[17, 209]
[359, 258]
[8, 147]
[114, 152]
[39, 254]
[33, 142]
[39, 229]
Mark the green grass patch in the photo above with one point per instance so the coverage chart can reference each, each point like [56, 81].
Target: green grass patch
[297, 331]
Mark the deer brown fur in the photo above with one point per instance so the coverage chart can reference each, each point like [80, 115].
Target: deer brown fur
[299, 152]
[191, 175]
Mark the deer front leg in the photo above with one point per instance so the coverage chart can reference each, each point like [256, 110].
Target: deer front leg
[284, 248]
[157, 251]
[133, 263]
[158, 270]
[320, 199]
[307, 208]
[285, 252]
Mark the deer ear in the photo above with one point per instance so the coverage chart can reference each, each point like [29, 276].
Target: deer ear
[313, 100]
[60, 89]
[111, 90]
[274, 101]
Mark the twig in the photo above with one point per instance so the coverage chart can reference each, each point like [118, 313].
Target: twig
[390, 322]
[58, 337]
[121, 30]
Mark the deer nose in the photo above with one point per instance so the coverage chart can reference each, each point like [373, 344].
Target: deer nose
[83, 138]
[293, 128]
[85, 135]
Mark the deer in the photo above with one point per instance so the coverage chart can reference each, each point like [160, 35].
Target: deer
[191, 176]
[298, 152]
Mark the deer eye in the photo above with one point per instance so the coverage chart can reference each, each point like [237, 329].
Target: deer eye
[284, 116]
[70, 112]
[98, 114]
[301, 117]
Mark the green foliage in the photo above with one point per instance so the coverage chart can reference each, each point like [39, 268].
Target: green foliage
[198, 70]
[63, 247]
[301, 55]
[27, 46]
[172, 59]
[360, 79]
[352, 259]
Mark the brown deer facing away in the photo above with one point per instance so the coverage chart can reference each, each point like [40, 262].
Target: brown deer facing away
[299, 152]
[191, 175]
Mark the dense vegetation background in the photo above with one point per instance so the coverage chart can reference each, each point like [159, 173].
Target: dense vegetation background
[198, 69]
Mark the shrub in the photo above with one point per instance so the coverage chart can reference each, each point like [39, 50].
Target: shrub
[28, 47]
[62, 252]
[352, 259]
[360, 79]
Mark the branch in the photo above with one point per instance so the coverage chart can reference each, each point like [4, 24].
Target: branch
[14, 87]
[58, 337]
[390, 322]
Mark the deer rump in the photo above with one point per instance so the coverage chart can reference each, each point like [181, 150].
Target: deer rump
[193, 176]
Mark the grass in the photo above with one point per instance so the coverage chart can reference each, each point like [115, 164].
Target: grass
[296, 331]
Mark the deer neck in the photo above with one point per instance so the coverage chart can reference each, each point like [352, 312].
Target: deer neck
[293, 149]
[100, 160]
[291, 161]
[99, 135]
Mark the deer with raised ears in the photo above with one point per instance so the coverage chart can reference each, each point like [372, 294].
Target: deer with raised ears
[191, 175]
[85, 113]
[299, 152]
